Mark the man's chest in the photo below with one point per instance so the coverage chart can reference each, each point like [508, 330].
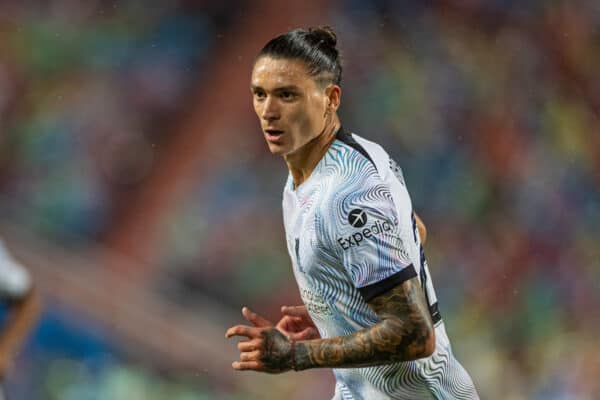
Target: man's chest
[300, 220]
[319, 274]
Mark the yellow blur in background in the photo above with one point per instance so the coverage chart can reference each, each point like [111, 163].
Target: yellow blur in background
[136, 187]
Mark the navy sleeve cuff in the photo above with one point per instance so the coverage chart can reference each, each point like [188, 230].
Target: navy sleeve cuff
[375, 289]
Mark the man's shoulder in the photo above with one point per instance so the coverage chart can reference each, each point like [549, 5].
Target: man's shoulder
[357, 161]
[363, 153]
[349, 178]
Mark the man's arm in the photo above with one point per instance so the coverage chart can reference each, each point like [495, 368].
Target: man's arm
[23, 314]
[404, 333]
[422, 229]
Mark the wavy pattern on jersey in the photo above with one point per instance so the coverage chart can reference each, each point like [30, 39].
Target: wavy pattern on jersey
[344, 180]
[358, 186]
[351, 311]
[446, 376]
[395, 382]
[343, 393]
[439, 377]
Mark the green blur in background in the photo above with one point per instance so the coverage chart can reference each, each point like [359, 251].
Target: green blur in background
[492, 109]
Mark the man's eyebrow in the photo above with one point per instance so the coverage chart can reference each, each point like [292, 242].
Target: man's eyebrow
[277, 89]
[286, 88]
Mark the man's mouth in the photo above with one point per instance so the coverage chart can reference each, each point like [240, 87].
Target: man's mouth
[273, 134]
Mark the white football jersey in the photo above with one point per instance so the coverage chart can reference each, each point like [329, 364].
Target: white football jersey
[351, 235]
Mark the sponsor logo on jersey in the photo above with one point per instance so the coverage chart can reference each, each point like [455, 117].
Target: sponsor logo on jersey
[357, 218]
[356, 238]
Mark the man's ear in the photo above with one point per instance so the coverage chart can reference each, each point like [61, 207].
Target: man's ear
[334, 93]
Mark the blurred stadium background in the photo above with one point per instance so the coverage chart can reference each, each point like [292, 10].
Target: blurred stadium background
[135, 184]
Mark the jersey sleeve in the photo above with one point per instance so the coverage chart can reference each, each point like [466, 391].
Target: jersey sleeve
[15, 281]
[363, 227]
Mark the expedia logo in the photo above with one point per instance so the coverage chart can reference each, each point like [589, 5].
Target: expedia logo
[357, 218]
[375, 229]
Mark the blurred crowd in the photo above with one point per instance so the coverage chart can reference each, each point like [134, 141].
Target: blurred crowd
[86, 90]
[493, 112]
[492, 109]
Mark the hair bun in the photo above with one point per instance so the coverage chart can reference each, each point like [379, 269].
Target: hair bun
[325, 34]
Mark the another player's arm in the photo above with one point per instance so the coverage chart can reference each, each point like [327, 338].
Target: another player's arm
[23, 314]
[404, 333]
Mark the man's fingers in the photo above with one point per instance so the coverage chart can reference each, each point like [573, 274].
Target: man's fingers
[295, 336]
[249, 345]
[247, 365]
[243, 330]
[288, 323]
[308, 333]
[255, 319]
[294, 311]
[250, 355]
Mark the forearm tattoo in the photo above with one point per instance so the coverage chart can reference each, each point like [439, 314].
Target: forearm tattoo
[276, 357]
[401, 335]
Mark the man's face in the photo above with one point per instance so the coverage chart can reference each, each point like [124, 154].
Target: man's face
[289, 104]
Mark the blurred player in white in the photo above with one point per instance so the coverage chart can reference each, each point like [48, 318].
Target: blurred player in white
[370, 309]
[17, 291]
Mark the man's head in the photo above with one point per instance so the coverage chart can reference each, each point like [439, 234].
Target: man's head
[295, 87]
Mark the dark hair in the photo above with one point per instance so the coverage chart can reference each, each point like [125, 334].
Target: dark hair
[315, 46]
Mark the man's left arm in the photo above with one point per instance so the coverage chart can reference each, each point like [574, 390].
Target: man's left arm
[421, 228]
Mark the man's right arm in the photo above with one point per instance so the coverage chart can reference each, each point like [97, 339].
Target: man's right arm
[404, 333]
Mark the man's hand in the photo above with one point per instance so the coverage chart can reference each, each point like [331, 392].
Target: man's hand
[296, 324]
[266, 350]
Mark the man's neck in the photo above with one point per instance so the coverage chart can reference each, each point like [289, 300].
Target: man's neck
[303, 162]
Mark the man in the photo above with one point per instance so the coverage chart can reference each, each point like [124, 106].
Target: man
[17, 291]
[354, 243]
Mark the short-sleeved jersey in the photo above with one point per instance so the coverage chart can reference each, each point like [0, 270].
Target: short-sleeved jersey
[351, 235]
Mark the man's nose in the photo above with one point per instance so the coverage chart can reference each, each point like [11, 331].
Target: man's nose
[270, 110]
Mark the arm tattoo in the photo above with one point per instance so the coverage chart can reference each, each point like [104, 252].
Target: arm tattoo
[276, 357]
[404, 333]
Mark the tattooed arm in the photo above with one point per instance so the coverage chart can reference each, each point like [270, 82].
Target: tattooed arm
[404, 333]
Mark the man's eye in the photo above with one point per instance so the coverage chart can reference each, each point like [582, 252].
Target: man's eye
[288, 95]
[259, 95]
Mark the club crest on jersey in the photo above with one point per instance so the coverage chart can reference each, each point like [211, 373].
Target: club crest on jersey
[356, 238]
